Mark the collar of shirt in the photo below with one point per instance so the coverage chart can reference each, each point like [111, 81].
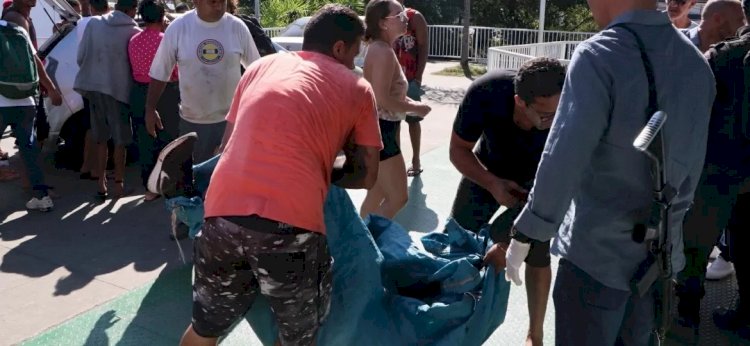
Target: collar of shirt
[692, 34]
[743, 31]
[644, 17]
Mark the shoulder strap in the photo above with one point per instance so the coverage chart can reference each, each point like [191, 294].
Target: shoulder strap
[746, 96]
[653, 103]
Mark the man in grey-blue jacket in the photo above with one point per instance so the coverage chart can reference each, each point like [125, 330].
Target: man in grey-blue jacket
[592, 186]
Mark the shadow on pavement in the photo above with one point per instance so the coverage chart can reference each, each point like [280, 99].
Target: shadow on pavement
[86, 237]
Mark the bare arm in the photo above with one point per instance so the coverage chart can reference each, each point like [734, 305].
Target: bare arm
[153, 120]
[506, 192]
[419, 24]
[380, 65]
[360, 170]
[46, 82]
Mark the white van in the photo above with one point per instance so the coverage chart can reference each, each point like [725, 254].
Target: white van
[59, 51]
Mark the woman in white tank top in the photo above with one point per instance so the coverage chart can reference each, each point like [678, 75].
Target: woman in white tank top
[386, 21]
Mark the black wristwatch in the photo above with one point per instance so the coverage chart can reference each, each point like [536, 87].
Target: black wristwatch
[520, 237]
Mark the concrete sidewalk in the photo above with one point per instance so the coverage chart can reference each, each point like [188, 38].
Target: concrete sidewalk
[55, 266]
[92, 273]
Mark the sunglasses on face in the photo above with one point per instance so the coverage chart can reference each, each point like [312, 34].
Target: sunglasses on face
[401, 16]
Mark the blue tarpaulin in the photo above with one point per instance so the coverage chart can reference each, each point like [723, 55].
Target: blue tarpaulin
[390, 290]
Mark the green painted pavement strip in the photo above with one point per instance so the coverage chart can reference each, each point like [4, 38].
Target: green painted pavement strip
[155, 314]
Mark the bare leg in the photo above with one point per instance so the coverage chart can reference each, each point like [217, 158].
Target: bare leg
[392, 183]
[101, 166]
[119, 160]
[191, 338]
[415, 134]
[538, 281]
[372, 201]
[89, 155]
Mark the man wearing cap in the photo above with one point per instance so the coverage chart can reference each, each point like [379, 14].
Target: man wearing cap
[105, 80]
[725, 175]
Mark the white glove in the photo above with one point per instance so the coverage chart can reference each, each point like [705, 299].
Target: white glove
[514, 257]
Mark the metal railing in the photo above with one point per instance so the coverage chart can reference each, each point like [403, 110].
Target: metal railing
[445, 40]
[512, 57]
[271, 32]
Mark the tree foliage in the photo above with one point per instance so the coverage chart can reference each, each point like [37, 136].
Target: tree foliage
[565, 15]
[279, 13]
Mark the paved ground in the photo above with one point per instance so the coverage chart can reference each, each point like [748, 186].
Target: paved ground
[99, 274]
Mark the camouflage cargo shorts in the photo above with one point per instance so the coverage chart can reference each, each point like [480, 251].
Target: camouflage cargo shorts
[234, 263]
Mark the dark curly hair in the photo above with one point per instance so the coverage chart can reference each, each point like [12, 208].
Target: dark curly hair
[151, 11]
[539, 77]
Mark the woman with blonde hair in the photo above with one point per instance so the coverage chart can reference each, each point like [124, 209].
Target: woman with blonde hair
[386, 21]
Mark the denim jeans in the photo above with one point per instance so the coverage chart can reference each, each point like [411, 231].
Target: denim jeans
[21, 121]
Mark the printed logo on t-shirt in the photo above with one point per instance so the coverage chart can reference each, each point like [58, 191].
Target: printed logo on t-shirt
[210, 52]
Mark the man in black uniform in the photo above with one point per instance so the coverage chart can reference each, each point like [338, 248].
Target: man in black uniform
[725, 174]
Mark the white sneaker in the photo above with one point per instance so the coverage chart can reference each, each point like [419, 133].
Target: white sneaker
[719, 269]
[714, 253]
[43, 204]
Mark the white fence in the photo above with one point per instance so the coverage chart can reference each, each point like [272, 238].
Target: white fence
[271, 32]
[512, 57]
[445, 40]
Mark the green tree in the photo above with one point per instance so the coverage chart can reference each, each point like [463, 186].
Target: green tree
[279, 13]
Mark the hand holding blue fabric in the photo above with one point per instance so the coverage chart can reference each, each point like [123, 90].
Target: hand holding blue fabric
[514, 257]
[496, 257]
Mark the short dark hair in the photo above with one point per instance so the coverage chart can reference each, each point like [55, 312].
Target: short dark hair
[539, 77]
[746, 8]
[151, 11]
[332, 23]
[126, 5]
[182, 7]
[375, 11]
[99, 5]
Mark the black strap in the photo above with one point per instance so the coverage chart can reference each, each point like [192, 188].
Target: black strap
[653, 103]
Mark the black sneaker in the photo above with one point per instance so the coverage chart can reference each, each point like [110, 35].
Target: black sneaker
[172, 175]
[733, 321]
[685, 329]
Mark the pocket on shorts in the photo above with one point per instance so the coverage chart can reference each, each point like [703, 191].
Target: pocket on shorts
[280, 274]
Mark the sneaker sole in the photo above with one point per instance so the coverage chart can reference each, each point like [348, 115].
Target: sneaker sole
[158, 176]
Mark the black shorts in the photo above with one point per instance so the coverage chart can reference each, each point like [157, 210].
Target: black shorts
[389, 132]
[473, 208]
[234, 263]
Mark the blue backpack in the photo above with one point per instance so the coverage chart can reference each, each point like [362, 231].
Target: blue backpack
[19, 77]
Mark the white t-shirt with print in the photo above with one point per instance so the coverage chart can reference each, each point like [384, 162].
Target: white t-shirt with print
[208, 56]
[29, 101]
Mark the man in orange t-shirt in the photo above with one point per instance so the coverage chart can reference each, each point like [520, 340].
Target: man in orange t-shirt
[290, 116]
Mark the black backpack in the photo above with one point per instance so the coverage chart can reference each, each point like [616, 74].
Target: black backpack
[262, 41]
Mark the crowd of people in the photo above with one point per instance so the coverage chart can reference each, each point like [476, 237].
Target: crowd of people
[551, 144]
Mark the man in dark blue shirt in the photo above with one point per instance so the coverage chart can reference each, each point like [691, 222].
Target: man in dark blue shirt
[509, 113]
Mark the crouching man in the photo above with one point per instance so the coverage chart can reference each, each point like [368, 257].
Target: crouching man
[290, 116]
[509, 113]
